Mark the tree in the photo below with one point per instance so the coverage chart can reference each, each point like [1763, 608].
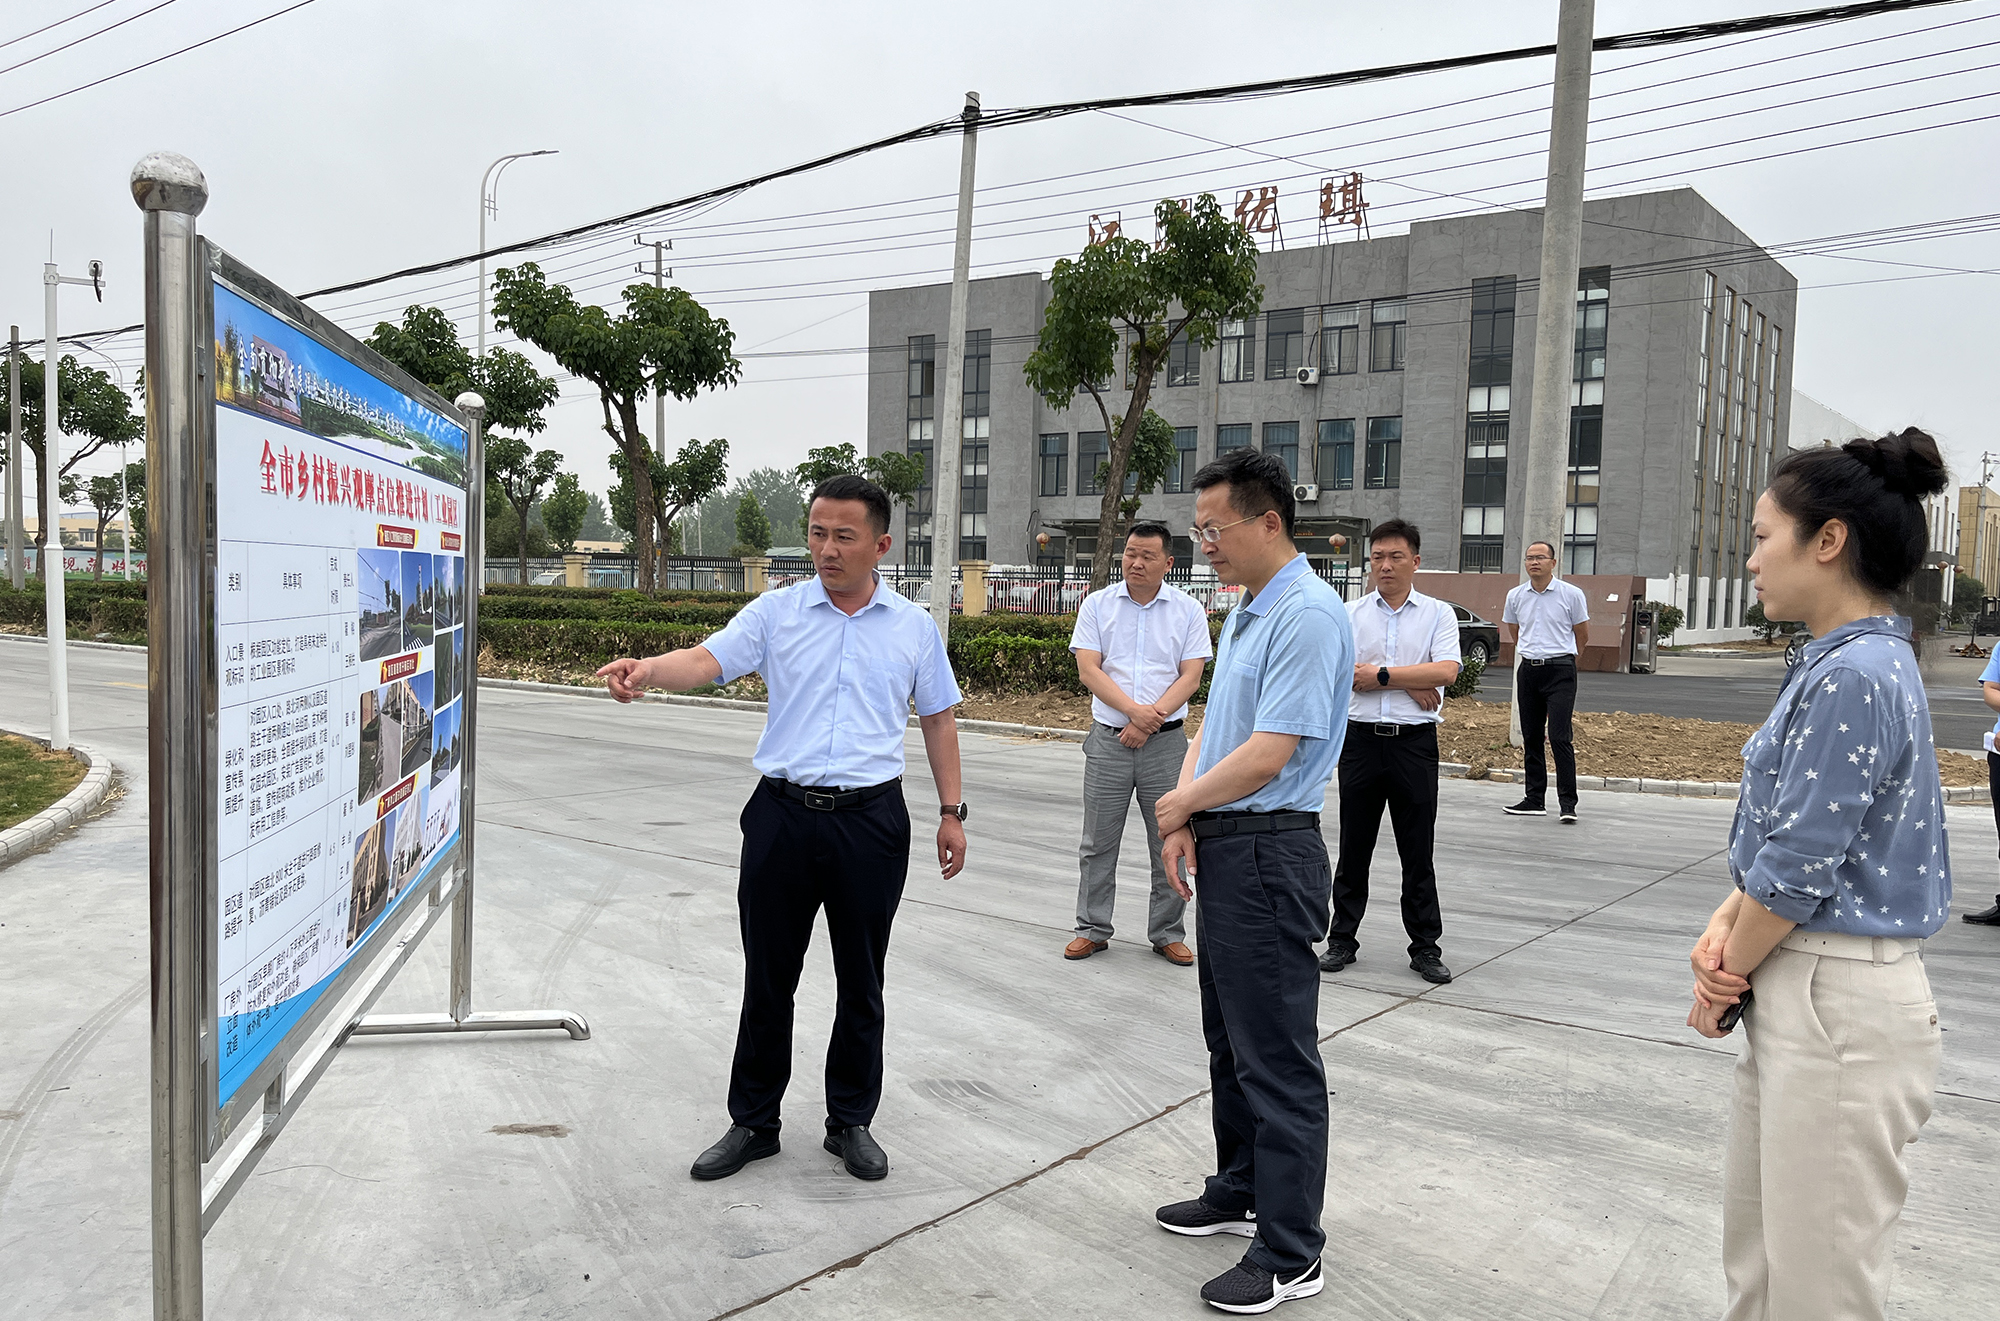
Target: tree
[135, 505]
[564, 510]
[900, 475]
[520, 477]
[92, 411]
[426, 346]
[753, 527]
[107, 496]
[1153, 457]
[1205, 265]
[597, 525]
[1967, 594]
[664, 341]
[697, 472]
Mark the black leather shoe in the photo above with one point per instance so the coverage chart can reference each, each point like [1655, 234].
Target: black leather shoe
[739, 1146]
[1337, 958]
[1986, 917]
[863, 1154]
[1431, 968]
[1526, 807]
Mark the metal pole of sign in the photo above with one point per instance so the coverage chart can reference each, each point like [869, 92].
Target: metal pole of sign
[461, 1018]
[17, 532]
[171, 192]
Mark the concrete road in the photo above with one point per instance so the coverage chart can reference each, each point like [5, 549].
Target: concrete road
[1540, 1139]
[1745, 689]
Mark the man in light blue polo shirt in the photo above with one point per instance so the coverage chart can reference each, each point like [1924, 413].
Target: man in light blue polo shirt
[1245, 821]
[844, 657]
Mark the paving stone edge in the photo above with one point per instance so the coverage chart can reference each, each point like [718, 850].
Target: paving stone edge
[20, 840]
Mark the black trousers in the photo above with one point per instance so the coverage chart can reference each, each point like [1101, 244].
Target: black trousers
[1401, 774]
[1547, 694]
[796, 861]
[1993, 792]
[1260, 905]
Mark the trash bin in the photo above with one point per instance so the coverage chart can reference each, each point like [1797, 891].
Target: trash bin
[1645, 642]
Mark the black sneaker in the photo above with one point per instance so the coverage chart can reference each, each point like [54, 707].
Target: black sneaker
[1197, 1219]
[1986, 917]
[1526, 807]
[1337, 957]
[1569, 816]
[1431, 968]
[1248, 1287]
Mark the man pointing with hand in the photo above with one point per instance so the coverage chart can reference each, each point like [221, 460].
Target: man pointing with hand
[843, 657]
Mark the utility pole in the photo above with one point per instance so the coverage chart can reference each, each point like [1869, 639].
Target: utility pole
[1547, 494]
[950, 440]
[661, 274]
[1986, 588]
[54, 609]
[17, 532]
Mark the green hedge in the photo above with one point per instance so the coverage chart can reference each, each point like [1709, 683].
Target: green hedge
[628, 607]
[79, 596]
[559, 593]
[581, 643]
[119, 615]
[1010, 663]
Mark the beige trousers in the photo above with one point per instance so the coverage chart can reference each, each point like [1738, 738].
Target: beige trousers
[1837, 1071]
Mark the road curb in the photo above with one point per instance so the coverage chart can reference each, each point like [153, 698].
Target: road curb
[40, 829]
[74, 642]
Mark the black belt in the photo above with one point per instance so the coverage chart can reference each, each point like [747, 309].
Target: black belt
[1548, 660]
[1214, 825]
[829, 800]
[1388, 729]
[1171, 724]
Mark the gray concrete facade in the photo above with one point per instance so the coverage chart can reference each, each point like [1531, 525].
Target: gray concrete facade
[1670, 508]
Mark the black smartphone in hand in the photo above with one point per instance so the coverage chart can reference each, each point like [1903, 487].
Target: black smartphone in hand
[1733, 1014]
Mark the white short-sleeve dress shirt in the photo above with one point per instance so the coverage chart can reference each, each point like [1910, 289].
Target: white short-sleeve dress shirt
[841, 685]
[1142, 645]
[1423, 629]
[1547, 619]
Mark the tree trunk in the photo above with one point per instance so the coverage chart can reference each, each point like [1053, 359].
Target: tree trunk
[1120, 459]
[42, 512]
[97, 561]
[639, 471]
[521, 542]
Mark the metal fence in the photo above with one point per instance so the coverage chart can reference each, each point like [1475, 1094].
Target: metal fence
[677, 573]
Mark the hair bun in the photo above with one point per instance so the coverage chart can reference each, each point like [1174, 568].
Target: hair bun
[1907, 463]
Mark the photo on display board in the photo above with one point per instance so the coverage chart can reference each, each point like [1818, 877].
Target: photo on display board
[406, 845]
[381, 575]
[444, 739]
[458, 679]
[369, 890]
[414, 703]
[419, 589]
[441, 669]
[444, 572]
[441, 817]
[377, 774]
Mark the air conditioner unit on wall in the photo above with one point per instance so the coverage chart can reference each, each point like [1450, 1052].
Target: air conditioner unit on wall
[1308, 376]
[1305, 492]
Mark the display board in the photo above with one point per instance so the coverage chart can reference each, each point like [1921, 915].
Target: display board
[340, 658]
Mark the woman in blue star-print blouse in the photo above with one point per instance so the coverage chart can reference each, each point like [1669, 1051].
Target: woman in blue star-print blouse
[1842, 868]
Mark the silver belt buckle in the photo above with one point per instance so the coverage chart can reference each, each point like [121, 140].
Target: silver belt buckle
[819, 802]
[1388, 729]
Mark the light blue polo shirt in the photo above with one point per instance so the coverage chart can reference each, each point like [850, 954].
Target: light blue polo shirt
[1286, 666]
[841, 685]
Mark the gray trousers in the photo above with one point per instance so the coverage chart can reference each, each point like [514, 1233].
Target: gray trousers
[1112, 773]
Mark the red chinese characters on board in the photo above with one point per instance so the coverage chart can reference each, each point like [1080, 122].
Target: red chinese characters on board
[324, 480]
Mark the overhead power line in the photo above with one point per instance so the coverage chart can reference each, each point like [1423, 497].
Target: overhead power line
[46, 27]
[57, 50]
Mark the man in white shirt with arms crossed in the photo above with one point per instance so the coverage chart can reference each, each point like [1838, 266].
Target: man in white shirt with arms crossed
[1546, 622]
[1140, 648]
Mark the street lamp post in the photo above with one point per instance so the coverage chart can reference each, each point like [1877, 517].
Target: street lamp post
[55, 612]
[487, 206]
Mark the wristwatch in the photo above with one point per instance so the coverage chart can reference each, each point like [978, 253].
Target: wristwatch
[1382, 675]
[952, 809]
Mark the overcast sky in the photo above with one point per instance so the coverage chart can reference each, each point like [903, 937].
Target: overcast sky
[347, 139]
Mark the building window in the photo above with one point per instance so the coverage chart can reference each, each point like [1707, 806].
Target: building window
[1091, 451]
[1385, 453]
[1284, 344]
[1239, 350]
[1335, 471]
[1282, 440]
[921, 441]
[1181, 476]
[1385, 335]
[972, 503]
[1483, 521]
[1231, 436]
[1586, 448]
[1490, 373]
[1593, 312]
[1055, 463]
[1340, 340]
[1183, 361]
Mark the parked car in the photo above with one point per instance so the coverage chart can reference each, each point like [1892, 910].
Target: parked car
[1476, 637]
[548, 578]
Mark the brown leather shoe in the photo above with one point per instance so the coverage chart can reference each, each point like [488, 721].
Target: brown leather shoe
[1083, 947]
[1175, 953]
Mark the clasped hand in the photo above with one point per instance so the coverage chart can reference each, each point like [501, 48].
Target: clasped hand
[1714, 989]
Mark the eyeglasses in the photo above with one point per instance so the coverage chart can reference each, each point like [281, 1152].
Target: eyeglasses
[1210, 536]
[1538, 559]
